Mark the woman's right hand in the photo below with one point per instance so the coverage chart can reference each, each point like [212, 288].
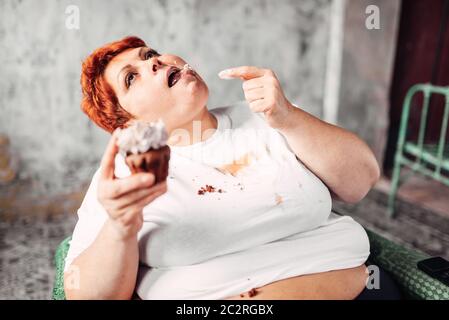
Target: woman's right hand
[125, 198]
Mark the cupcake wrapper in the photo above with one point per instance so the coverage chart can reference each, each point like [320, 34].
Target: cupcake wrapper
[154, 161]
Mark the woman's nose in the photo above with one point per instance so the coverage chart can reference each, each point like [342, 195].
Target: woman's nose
[155, 64]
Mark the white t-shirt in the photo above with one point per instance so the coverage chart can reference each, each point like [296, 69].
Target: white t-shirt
[268, 217]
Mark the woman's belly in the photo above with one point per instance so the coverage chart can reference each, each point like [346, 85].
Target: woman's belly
[339, 244]
[345, 284]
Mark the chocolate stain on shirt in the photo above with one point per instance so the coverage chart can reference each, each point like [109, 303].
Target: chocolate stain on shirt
[237, 165]
[278, 199]
[210, 189]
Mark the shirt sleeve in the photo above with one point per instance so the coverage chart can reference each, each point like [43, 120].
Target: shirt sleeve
[285, 143]
[275, 138]
[91, 218]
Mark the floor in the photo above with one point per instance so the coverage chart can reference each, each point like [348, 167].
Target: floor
[26, 255]
[421, 191]
[413, 226]
[27, 244]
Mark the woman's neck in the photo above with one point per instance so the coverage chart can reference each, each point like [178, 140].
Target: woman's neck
[201, 128]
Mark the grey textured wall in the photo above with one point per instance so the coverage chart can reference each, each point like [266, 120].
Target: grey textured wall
[367, 67]
[40, 66]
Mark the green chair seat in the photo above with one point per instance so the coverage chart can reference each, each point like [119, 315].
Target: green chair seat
[60, 254]
[400, 263]
[397, 260]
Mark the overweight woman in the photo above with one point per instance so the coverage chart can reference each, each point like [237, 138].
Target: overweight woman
[246, 210]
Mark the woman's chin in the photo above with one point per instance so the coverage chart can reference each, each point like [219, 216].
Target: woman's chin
[193, 87]
[188, 83]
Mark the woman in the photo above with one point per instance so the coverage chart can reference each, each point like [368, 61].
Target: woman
[274, 168]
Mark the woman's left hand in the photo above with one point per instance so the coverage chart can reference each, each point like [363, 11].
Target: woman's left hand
[263, 92]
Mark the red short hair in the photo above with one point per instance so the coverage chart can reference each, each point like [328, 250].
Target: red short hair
[99, 101]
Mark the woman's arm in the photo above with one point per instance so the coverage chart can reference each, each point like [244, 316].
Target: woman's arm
[107, 269]
[338, 157]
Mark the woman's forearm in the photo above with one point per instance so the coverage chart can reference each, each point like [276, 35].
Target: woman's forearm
[338, 157]
[107, 269]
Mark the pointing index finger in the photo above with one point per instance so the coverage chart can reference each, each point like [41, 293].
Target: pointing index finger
[243, 72]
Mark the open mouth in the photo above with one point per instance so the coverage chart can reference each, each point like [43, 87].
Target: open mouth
[173, 76]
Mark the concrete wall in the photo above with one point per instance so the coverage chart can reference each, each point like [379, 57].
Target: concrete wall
[366, 74]
[58, 147]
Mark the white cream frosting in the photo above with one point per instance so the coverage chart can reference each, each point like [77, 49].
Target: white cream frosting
[142, 136]
[187, 67]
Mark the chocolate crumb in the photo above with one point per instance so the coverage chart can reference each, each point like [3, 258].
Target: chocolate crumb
[252, 292]
[209, 188]
[242, 295]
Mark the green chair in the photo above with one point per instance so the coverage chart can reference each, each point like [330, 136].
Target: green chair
[59, 260]
[436, 155]
[397, 260]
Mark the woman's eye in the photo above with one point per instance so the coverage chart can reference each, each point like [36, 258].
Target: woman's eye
[130, 77]
[151, 53]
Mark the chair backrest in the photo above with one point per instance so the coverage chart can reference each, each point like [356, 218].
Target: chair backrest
[428, 90]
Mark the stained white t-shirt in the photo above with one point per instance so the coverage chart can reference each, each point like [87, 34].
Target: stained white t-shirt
[240, 211]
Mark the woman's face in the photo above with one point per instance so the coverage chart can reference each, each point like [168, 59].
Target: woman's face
[151, 86]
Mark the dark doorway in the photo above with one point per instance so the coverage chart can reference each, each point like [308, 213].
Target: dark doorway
[422, 56]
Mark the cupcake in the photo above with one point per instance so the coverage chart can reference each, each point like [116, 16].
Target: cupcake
[144, 146]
